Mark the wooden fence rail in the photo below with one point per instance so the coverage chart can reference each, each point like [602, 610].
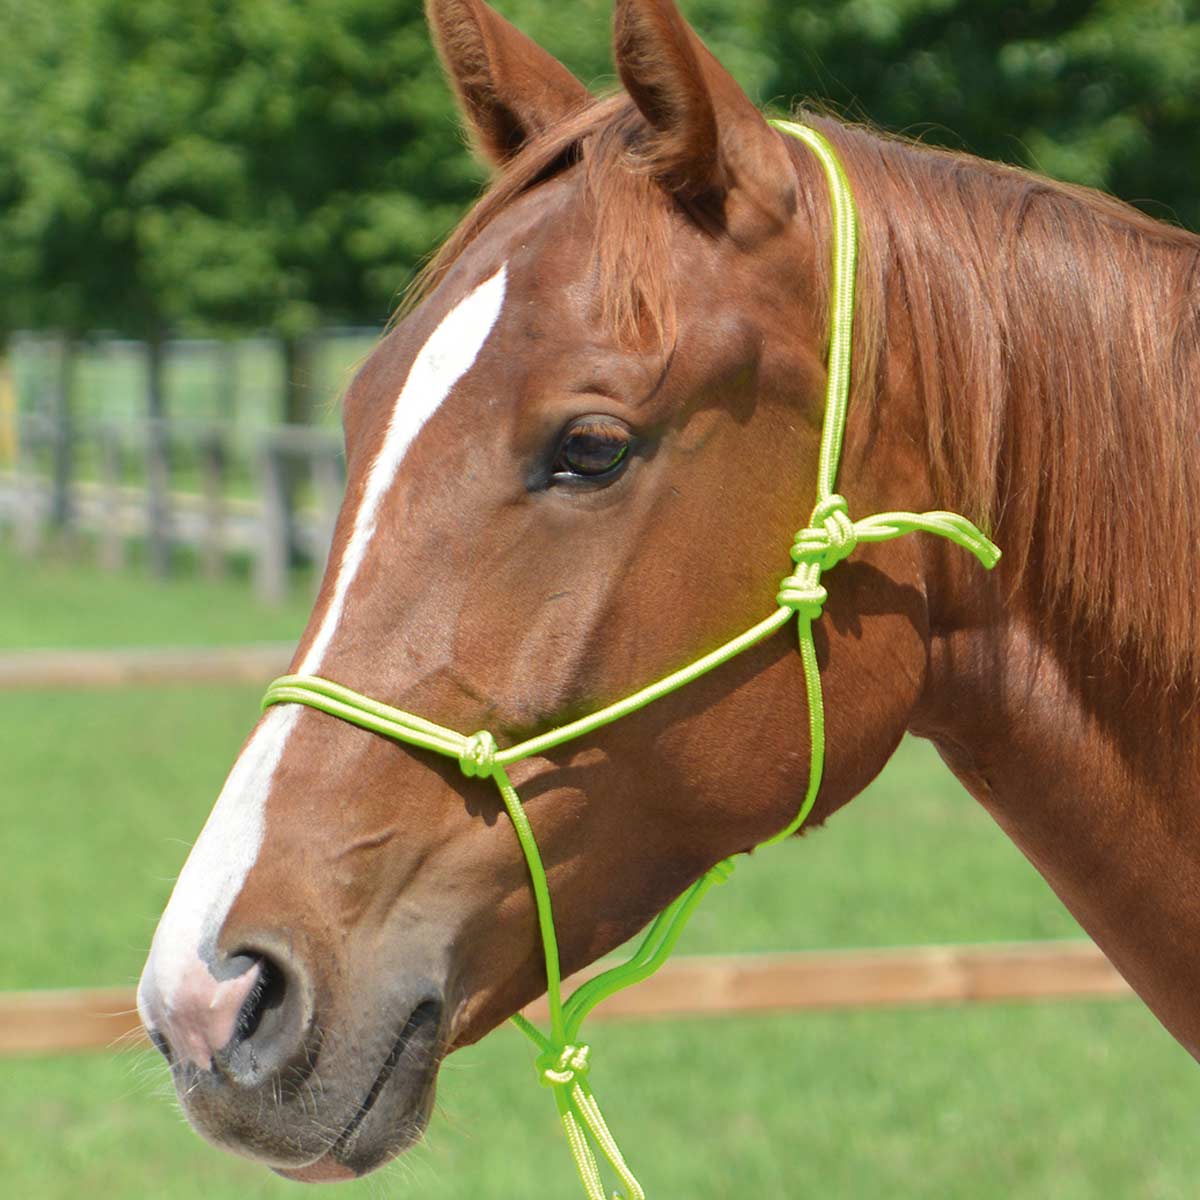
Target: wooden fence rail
[52, 1022]
[24, 670]
[116, 509]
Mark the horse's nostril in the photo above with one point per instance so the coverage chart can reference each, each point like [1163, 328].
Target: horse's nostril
[160, 1043]
[266, 996]
[241, 1016]
[271, 1028]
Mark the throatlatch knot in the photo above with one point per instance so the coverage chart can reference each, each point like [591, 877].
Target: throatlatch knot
[564, 1066]
[478, 756]
[828, 537]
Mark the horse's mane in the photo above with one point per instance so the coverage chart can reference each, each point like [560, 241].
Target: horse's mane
[1057, 343]
[1056, 334]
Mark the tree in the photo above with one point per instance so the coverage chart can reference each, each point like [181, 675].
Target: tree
[1101, 92]
[227, 164]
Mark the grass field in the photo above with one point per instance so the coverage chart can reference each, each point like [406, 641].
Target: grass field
[59, 600]
[102, 793]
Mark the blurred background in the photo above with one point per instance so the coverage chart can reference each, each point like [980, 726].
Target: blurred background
[208, 210]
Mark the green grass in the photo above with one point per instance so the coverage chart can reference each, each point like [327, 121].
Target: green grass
[1065, 1101]
[1054, 1102]
[59, 600]
[102, 793]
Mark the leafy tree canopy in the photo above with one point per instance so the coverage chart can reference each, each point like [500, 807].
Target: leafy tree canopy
[1100, 92]
[285, 163]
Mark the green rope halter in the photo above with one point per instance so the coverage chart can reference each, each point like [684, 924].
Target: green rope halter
[830, 536]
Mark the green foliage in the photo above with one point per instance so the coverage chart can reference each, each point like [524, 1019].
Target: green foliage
[279, 164]
[580, 35]
[250, 162]
[1100, 92]
[242, 163]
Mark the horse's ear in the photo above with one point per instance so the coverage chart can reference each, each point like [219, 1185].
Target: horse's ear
[706, 137]
[509, 87]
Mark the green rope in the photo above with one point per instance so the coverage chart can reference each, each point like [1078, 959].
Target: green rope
[563, 1061]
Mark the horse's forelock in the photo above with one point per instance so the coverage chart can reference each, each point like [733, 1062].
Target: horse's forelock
[631, 213]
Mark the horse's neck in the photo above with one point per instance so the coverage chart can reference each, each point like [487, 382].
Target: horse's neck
[1094, 776]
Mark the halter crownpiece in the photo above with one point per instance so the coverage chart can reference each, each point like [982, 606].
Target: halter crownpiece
[829, 537]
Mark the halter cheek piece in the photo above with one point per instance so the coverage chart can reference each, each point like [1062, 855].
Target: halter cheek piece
[829, 537]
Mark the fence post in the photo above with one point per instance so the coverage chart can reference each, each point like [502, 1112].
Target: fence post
[329, 484]
[212, 468]
[158, 513]
[29, 518]
[62, 402]
[112, 523]
[158, 516]
[8, 412]
[273, 531]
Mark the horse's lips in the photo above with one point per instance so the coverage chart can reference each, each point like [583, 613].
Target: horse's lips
[326, 1169]
[330, 1168]
[346, 1158]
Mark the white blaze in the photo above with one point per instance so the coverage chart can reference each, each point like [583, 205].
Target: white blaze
[228, 845]
[185, 940]
[444, 359]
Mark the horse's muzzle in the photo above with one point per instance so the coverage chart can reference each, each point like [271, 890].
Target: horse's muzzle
[259, 1073]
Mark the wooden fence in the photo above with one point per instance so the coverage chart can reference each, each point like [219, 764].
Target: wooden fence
[65, 1021]
[128, 493]
[24, 670]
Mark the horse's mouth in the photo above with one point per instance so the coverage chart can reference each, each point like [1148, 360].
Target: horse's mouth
[329, 1115]
[389, 1119]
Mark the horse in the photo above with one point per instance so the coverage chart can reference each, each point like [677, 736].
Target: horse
[573, 462]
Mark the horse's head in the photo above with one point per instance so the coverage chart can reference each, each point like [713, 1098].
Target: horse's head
[574, 465]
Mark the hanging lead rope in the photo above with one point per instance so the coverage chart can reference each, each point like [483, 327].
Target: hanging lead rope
[829, 537]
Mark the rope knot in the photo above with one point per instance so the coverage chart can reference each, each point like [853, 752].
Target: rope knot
[478, 756]
[829, 536]
[802, 593]
[562, 1067]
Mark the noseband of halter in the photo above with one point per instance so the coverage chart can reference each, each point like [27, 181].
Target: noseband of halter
[829, 537]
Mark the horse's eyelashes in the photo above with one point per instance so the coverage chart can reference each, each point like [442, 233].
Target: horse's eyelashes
[592, 449]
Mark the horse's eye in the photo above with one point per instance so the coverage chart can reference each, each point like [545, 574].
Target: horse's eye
[592, 448]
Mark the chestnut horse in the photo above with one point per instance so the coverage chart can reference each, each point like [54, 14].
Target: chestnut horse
[573, 466]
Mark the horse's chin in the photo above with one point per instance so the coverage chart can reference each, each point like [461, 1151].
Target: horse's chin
[347, 1117]
[387, 1131]
[377, 1141]
[326, 1169]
